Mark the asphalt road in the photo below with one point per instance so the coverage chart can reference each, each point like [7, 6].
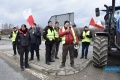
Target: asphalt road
[89, 73]
[9, 70]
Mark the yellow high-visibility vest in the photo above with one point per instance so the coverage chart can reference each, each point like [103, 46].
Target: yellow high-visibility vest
[50, 35]
[86, 39]
[56, 34]
[73, 34]
[14, 36]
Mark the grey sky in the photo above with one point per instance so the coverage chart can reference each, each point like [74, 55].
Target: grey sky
[42, 10]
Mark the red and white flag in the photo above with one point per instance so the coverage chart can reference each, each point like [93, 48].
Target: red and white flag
[98, 24]
[27, 13]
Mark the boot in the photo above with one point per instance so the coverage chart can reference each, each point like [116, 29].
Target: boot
[61, 66]
[86, 57]
[56, 55]
[48, 63]
[22, 68]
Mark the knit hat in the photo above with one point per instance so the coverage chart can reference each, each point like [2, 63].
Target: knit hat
[85, 27]
[24, 25]
[49, 22]
[14, 27]
[66, 22]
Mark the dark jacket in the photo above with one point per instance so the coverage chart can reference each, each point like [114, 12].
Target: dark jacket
[89, 36]
[22, 39]
[45, 33]
[36, 37]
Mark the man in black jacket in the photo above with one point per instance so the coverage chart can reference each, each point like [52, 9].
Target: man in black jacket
[86, 36]
[35, 36]
[48, 35]
[23, 38]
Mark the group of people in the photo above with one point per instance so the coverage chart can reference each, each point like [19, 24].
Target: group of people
[30, 39]
[68, 36]
[26, 40]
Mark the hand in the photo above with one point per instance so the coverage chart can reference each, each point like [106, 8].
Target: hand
[24, 34]
[77, 43]
[67, 30]
[32, 32]
[84, 36]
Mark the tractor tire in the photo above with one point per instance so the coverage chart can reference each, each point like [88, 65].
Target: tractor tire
[100, 51]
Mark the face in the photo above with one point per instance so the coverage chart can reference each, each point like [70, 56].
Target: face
[57, 25]
[50, 24]
[23, 28]
[86, 29]
[33, 26]
[67, 25]
[14, 29]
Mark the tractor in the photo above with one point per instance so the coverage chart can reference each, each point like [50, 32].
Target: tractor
[108, 41]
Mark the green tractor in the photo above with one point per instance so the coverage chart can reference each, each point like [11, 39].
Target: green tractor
[107, 42]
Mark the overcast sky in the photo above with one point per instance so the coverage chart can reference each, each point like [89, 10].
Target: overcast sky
[11, 11]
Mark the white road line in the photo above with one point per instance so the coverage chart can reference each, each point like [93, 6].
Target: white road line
[38, 75]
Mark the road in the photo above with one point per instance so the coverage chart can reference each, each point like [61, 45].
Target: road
[89, 73]
[9, 70]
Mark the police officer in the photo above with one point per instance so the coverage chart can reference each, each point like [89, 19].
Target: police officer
[49, 35]
[86, 36]
[13, 37]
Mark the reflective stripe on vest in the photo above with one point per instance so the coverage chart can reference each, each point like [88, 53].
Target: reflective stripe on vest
[56, 34]
[86, 39]
[50, 35]
[14, 36]
[73, 34]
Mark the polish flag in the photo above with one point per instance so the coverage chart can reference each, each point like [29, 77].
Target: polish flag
[27, 13]
[98, 24]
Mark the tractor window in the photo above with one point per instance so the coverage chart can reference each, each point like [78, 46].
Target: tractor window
[117, 15]
[117, 18]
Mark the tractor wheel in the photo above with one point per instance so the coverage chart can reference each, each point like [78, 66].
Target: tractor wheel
[100, 51]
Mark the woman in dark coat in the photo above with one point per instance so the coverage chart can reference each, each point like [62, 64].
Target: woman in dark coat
[23, 38]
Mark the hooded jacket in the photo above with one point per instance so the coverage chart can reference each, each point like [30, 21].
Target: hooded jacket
[23, 37]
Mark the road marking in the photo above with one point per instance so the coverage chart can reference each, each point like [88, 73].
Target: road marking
[38, 75]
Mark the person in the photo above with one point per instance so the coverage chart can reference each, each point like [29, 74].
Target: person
[49, 36]
[76, 47]
[86, 36]
[55, 47]
[35, 36]
[13, 37]
[23, 38]
[68, 38]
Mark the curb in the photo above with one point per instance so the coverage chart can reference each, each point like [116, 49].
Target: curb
[57, 72]
[63, 71]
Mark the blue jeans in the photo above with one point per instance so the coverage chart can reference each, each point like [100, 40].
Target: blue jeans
[85, 47]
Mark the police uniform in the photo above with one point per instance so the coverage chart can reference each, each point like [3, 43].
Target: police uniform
[49, 37]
